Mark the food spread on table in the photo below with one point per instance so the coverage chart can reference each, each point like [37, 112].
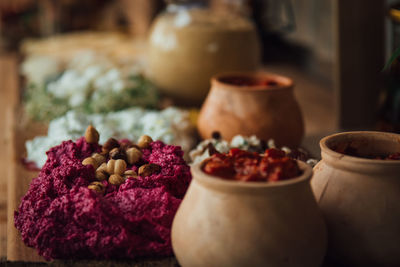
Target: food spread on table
[241, 165]
[117, 161]
[110, 201]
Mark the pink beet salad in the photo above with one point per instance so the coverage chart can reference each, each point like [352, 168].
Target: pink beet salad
[104, 202]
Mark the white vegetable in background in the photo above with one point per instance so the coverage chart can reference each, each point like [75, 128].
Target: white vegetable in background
[172, 126]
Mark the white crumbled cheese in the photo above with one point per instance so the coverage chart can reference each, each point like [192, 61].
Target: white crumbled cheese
[245, 143]
[171, 126]
[38, 68]
[286, 149]
[271, 143]
[201, 152]
[312, 162]
[182, 18]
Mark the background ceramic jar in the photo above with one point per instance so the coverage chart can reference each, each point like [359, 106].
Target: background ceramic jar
[360, 198]
[231, 223]
[188, 45]
[257, 103]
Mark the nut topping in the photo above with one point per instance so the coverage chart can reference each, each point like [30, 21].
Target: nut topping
[130, 173]
[98, 187]
[100, 159]
[148, 169]
[91, 135]
[110, 144]
[90, 161]
[133, 155]
[144, 141]
[120, 166]
[111, 166]
[102, 167]
[116, 166]
[117, 153]
[101, 176]
[116, 179]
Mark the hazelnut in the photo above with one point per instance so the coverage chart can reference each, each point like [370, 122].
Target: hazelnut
[91, 135]
[144, 141]
[90, 161]
[120, 166]
[110, 144]
[116, 179]
[130, 173]
[101, 176]
[116, 166]
[117, 153]
[100, 159]
[133, 155]
[126, 145]
[102, 167]
[98, 187]
[148, 169]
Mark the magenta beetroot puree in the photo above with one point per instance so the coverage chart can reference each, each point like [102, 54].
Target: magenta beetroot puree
[72, 212]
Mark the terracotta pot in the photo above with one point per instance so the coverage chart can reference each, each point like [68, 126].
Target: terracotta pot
[268, 111]
[360, 199]
[231, 223]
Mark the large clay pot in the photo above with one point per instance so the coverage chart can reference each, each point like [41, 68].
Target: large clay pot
[230, 223]
[266, 107]
[360, 198]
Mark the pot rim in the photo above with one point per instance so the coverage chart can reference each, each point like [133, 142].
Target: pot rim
[284, 83]
[221, 184]
[325, 149]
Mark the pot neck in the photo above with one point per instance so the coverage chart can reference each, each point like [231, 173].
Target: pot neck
[359, 164]
[223, 185]
[283, 84]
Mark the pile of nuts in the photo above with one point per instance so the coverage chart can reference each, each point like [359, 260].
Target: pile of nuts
[119, 157]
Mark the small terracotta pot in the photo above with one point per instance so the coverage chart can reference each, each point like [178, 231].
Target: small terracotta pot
[268, 111]
[360, 199]
[231, 223]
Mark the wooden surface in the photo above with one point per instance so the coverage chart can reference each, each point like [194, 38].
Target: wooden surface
[314, 97]
[8, 100]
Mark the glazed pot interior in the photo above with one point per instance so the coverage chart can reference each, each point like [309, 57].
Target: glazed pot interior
[221, 184]
[363, 144]
[255, 80]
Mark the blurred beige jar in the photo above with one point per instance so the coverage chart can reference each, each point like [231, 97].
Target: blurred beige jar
[187, 46]
[231, 223]
[360, 198]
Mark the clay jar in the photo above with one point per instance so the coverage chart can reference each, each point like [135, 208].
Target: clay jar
[188, 45]
[360, 198]
[232, 223]
[256, 103]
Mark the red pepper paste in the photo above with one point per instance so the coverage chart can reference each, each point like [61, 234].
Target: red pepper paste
[246, 166]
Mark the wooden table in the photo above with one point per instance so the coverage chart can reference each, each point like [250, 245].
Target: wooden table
[315, 100]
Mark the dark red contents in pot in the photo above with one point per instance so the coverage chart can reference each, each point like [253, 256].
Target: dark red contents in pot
[63, 219]
[352, 150]
[242, 165]
[248, 81]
